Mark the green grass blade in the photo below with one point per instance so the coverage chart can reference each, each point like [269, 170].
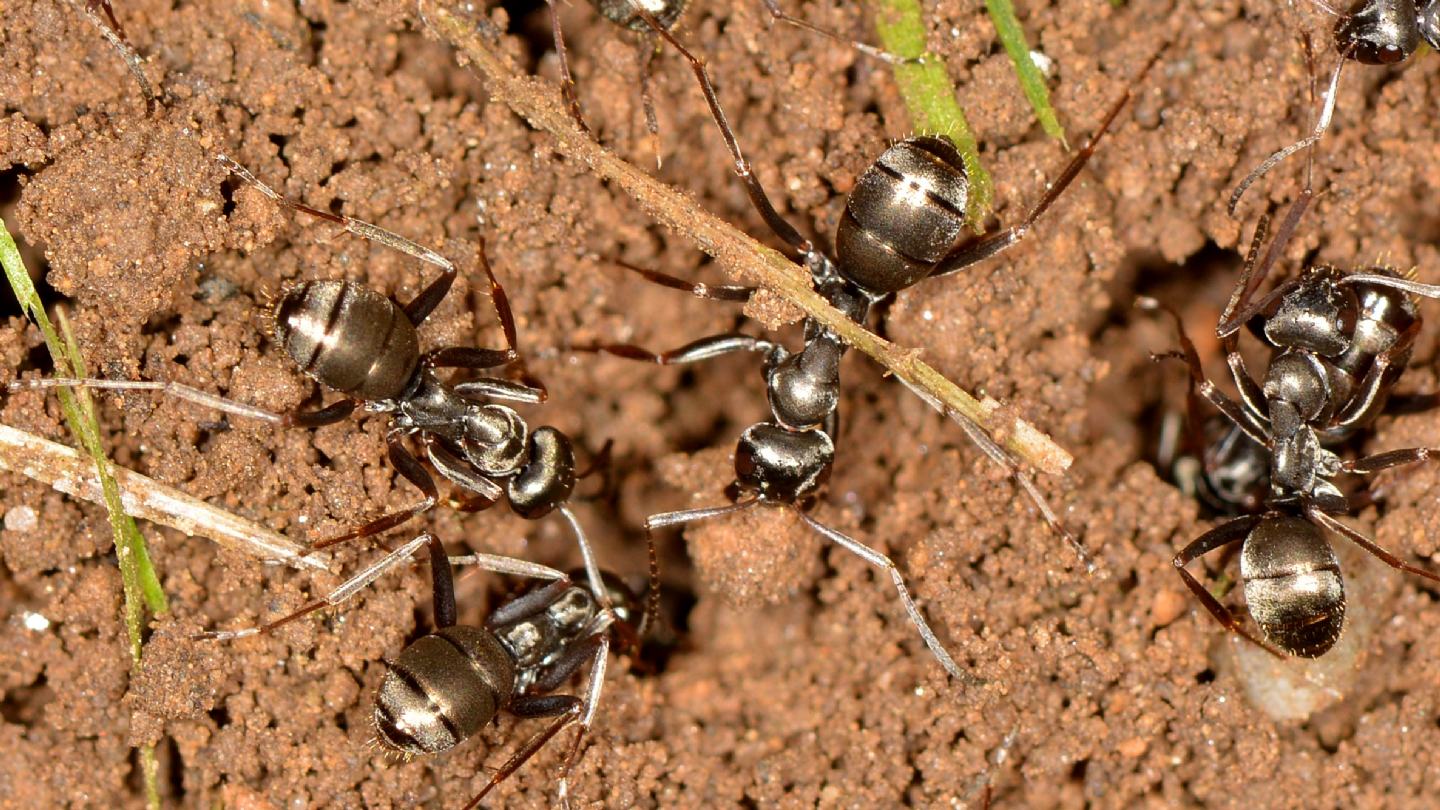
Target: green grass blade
[122, 524]
[142, 586]
[137, 575]
[929, 96]
[1012, 36]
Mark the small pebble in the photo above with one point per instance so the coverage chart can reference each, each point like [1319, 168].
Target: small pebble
[1167, 607]
[21, 519]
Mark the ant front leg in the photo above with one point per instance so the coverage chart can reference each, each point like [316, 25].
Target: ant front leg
[885, 564]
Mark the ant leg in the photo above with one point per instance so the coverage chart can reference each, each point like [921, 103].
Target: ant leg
[978, 250]
[509, 566]
[1226, 534]
[409, 467]
[1012, 466]
[778, 15]
[112, 31]
[358, 227]
[1002, 457]
[459, 472]
[1228, 327]
[1369, 397]
[882, 562]
[1366, 543]
[492, 388]
[346, 590]
[647, 101]
[1405, 284]
[564, 708]
[600, 462]
[467, 357]
[592, 701]
[1321, 124]
[567, 81]
[1369, 465]
[1412, 403]
[1241, 309]
[665, 519]
[651, 617]
[528, 604]
[500, 301]
[758, 198]
[331, 413]
[699, 290]
[693, 352]
[443, 582]
[442, 586]
[1243, 418]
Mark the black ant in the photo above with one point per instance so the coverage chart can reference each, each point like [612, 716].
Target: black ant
[1339, 342]
[448, 684]
[903, 223]
[364, 345]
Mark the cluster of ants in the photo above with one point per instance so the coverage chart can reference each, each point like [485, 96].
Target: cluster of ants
[1267, 459]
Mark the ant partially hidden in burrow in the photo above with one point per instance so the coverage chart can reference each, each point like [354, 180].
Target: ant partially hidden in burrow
[903, 223]
[1339, 342]
[1372, 32]
[364, 345]
[1213, 461]
[448, 684]
[666, 14]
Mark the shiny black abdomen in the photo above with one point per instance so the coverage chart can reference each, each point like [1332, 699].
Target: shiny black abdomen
[348, 338]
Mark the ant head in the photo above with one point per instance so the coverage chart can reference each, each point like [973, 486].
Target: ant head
[904, 215]
[783, 466]
[1317, 316]
[1293, 585]
[1379, 32]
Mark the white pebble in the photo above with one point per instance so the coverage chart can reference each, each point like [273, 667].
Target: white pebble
[21, 519]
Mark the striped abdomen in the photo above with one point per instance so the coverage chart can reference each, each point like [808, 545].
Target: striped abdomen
[442, 689]
[349, 338]
[905, 214]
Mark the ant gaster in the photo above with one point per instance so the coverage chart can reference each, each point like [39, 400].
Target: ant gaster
[364, 345]
[1339, 342]
[902, 223]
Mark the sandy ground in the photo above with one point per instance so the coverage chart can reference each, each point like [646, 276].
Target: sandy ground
[805, 688]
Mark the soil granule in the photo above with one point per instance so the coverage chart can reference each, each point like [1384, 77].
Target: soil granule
[796, 680]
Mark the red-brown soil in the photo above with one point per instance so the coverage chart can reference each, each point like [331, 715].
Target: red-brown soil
[1118, 690]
